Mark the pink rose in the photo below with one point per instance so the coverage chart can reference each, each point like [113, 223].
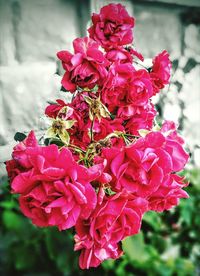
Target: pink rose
[56, 203]
[169, 128]
[54, 190]
[138, 95]
[168, 194]
[102, 128]
[86, 68]
[123, 55]
[141, 88]
[112, 26]
[13, 168]
[119, 54]
[52, 110]
[136, 171]
[141, 167]
[135, 53]
[79, 105]
[160, 73]
[117, 86]
[20, 161]
[126, 88]
[20, 150]
[178, 155]
[143, 118]
[115, 218]
[97, 171]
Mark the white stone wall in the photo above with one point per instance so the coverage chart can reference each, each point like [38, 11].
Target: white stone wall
[175, 28]
[32, 31]
[31, 34]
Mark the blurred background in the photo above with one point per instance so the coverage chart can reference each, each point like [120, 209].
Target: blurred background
[31, 32]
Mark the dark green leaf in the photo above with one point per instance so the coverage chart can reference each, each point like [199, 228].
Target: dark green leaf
[8, 204]
[19, 136]
[134, 247]
[12, 221]
[63, 89]
[153, 219]
[55, 141]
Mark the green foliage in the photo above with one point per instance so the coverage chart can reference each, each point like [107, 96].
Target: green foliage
[19, 136]
[168, 245]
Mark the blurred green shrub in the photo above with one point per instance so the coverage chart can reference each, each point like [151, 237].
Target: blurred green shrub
[168, 245]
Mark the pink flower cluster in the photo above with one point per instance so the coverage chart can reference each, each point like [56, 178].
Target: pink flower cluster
[104, 162]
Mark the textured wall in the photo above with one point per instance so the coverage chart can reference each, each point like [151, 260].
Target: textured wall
[175, 28]
[31, 32]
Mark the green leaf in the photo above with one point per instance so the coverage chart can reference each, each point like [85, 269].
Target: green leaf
[8, 204]
[55, 141]
[164, 268]
[69, 123]
[19, 136]
[95, 89]
[63, 89]
[143, 132]
[4, 186]
[108, 264]
[64, 136]
[135, 248]
[112, 117]
[52, 102]
[153, 220]
[50, 133]
[184, 267]
[12, 221]
[88, 100]
[50, 244]
[186, 209]
[24, 258]
[194, 177]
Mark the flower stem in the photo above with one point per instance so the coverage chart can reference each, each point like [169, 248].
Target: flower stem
[138, 63]
[76, 148]
[91, 130]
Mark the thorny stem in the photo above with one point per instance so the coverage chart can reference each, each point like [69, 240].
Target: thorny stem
[73, 96]
[91, 130]
[112, 135]
[76, 148]
[90, 152]
[131, 135]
